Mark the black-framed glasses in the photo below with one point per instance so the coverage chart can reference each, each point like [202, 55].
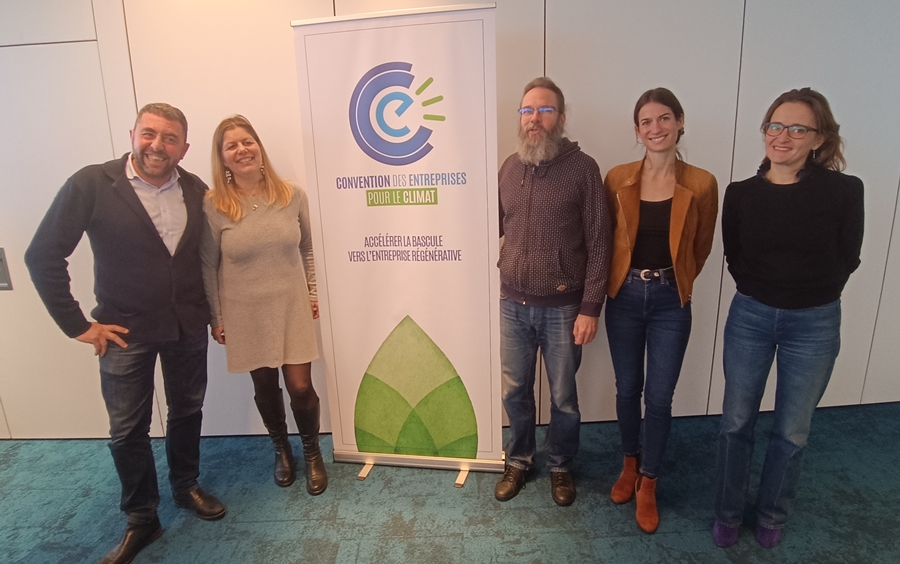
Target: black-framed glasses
[795, 131]
[543, 110]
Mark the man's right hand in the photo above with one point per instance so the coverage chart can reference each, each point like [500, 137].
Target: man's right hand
[218, 333]
[99, 334]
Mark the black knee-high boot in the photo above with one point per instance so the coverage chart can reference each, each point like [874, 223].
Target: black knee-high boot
[272, 412]
[308, 424]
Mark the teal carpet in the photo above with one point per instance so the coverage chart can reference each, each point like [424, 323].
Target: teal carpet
[59, 499]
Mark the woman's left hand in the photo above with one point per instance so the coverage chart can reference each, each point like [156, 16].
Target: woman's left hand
[315, 309]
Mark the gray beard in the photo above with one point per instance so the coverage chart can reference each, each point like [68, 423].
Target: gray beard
[537, 150]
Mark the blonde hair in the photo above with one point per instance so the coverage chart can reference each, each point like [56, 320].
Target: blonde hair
[227, 197]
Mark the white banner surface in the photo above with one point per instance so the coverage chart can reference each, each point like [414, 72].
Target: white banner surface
[399, 125]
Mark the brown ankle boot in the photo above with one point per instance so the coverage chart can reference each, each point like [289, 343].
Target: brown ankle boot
[308, 424]
[272, 412]
[646, 515]
[623, 489]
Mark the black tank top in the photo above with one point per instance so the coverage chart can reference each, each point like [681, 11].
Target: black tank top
[651, 247]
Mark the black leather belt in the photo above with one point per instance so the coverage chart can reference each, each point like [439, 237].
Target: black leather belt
[648, 274]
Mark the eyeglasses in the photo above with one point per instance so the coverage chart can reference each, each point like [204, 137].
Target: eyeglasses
[543, 110]
[795, 131]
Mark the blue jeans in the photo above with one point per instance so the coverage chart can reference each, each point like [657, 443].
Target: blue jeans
[646, 316]
[523, 329]
[806, 343]
[126, 380]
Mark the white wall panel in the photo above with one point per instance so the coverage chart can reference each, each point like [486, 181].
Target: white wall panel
[883, 376]
[115, 64]
[604, 55]
[4, 428]
[45, 21]
[846, 53]
[216, 59]
[54, 96]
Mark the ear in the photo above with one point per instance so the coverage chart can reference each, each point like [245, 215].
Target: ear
[562, 119]
[183, 153]
[820, 140]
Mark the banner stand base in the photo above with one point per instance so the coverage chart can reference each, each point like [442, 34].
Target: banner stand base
[411, 461]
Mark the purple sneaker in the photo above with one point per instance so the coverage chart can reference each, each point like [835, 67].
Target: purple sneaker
[768, 538]
[723, 535]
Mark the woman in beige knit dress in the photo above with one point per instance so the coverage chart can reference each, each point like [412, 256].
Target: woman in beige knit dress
[261, 284]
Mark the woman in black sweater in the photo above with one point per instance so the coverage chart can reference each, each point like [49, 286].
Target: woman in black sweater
[792, 236]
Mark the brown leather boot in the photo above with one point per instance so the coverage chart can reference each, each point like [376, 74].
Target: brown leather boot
[623, 489]
[646, 515]
[272, 412]
[308, 424]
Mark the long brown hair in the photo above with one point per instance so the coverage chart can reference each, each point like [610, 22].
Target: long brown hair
[830, 154]
[226, 196]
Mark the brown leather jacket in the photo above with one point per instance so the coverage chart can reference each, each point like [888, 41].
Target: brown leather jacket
[693, 222]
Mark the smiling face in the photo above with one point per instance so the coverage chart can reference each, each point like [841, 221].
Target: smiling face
[657, 127]
[784, 151]
[240, 152]
[158, 144]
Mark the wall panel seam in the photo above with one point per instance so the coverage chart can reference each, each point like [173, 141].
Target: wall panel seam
[887, 261]
[737, 104]
[49, 43]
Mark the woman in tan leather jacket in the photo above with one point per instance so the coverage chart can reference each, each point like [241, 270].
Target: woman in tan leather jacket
[665, 218]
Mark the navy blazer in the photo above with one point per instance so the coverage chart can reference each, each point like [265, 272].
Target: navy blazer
[138, 284]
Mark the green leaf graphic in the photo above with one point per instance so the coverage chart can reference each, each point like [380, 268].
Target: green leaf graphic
[415, 438]
[412, 401]
[385, 413]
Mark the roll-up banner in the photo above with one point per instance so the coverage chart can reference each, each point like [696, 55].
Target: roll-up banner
[399, 133]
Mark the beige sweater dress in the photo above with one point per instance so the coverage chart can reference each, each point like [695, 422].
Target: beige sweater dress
[260, 277]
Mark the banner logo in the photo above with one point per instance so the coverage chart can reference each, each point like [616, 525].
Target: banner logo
[389, 145]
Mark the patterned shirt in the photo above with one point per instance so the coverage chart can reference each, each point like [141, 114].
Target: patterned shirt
[557, 226]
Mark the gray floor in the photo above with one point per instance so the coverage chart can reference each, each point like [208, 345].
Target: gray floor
[58, 503]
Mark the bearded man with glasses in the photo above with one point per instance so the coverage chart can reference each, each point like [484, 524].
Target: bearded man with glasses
[554, 266]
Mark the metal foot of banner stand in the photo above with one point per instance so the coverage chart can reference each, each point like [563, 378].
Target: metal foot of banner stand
[461, 478]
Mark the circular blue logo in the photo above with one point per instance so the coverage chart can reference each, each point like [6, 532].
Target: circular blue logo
[386, 147]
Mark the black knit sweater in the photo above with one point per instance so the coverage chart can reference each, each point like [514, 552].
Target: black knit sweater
[793, 246]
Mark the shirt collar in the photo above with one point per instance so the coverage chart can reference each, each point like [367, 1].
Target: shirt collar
[133, 176]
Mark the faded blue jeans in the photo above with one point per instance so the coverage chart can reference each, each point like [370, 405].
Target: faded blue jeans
[523, 329]
[806, 343]
[646, 321]
[126, 380]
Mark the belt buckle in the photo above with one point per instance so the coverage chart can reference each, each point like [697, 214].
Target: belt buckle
[647, 272]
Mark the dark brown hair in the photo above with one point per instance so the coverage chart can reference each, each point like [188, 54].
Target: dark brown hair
[166, 111]
[662, 96]
[830, 153]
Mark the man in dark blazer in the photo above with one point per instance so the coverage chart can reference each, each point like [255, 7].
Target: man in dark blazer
[143, 216]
